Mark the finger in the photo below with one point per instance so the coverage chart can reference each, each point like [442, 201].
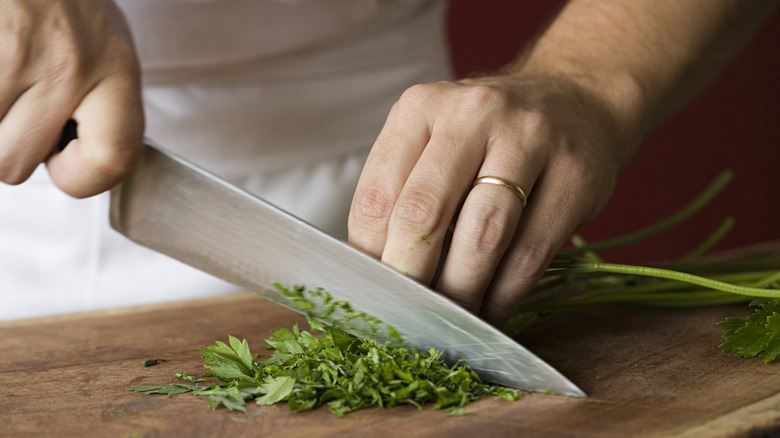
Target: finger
[11, 87]
[111, 127]
[485, 227]
[391, 160]
[431, 195]
[29, 130]
[559, 205]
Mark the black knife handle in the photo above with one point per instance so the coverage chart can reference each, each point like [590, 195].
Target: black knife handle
[69, 132]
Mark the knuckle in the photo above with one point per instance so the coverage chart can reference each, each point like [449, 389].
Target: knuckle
[483, 97]
[531, 257]
[538, 123]
[591, 185]
[418, 211]
[484, 233]
[417, 98]
[65, 58]
[370, 206]
[468, 301]
[71, 57]
[418, 92]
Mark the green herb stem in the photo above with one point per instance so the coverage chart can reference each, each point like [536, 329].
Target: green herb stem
[644, 271]
[689, 210]
[713, 239]
[752, 279]
[730, 265]
[667, 299]
[656, 292]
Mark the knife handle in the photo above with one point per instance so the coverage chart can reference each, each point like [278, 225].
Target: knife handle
[69, 132]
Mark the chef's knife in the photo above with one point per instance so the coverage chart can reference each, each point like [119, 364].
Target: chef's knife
[178, 209]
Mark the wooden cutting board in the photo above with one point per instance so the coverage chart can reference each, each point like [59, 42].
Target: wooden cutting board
[649, 373]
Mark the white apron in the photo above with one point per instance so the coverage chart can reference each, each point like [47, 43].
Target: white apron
[282, 97]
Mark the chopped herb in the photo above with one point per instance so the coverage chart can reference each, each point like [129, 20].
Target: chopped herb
[318, 303]
[153, 362]
[461, 412]
[329, 366]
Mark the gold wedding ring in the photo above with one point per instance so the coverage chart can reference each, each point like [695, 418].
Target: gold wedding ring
[505, 183]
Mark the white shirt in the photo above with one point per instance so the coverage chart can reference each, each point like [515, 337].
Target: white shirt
[281, 97]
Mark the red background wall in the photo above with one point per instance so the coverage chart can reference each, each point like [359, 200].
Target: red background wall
[735, 124]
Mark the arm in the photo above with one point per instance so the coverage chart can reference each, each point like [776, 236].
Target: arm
[560, 123]
[648, 59]
[65, 59]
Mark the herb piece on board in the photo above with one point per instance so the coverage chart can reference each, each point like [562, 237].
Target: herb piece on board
[329, 366]
[318, 303]
[756, 335]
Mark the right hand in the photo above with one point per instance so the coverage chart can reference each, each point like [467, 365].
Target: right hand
[68, 59]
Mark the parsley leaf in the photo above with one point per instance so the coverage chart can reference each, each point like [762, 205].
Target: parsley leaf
[277, 389]
[329, 366]
[756, 335]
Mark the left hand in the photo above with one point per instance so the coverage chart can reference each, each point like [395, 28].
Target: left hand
[562, 145]
[68, 59]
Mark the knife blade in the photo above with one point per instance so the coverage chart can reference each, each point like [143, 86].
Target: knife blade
[174, 207]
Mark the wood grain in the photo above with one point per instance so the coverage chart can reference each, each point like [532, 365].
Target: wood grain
[649, 373]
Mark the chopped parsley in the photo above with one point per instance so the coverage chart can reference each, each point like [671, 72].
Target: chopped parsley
[330, 366]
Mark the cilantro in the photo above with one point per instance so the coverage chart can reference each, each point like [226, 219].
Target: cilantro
[329, 366]
[756, 335]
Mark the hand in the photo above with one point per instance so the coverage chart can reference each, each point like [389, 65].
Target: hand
[66, 59]
[561, 144]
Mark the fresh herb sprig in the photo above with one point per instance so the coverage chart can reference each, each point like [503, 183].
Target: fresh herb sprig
[686, 282]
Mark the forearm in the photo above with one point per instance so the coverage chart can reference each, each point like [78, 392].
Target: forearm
[645, 59]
